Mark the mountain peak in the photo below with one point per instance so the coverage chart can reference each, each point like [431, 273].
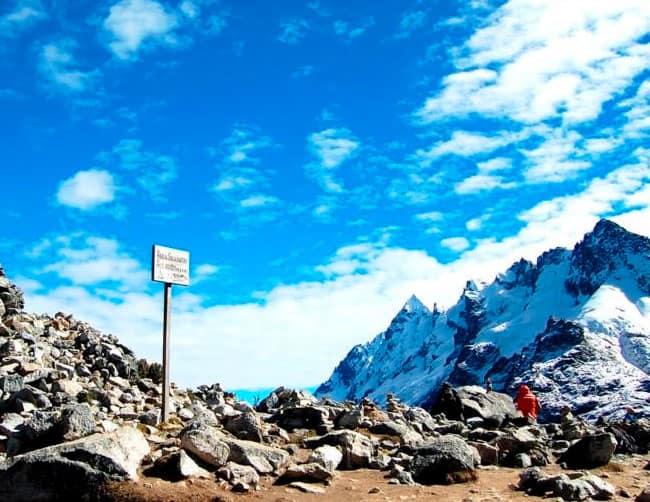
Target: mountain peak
[413, 304]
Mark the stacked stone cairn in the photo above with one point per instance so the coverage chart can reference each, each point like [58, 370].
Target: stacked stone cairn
[72, 406]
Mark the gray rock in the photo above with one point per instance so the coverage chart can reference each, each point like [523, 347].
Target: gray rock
[493, 407]
[590, 451]
[40, 475]
[405, 434]
[489, 454]
[245, 426]
[357, 449]
[303, 417]
[310, 473]
[237, 474]
[350, 419]
[447, 459]
[176, 466]
[307, 488]
[206, 445]
[11, 424]
[265, 459]
[11, 383]
[327, 456]
[77, 421]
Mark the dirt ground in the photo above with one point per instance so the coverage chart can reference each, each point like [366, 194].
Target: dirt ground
[493, 485]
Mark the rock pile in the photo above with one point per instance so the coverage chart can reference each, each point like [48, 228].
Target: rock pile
[73, 406]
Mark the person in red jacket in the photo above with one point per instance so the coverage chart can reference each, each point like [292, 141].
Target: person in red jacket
[527, 402]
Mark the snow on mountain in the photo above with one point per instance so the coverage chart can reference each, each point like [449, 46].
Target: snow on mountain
[575, 326]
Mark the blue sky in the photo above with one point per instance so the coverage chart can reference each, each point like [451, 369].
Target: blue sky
[321, 161]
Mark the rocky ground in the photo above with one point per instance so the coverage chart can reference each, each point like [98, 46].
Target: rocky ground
[79, 420]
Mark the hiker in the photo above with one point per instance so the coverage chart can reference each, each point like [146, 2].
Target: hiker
[630, 415]
[527, 403]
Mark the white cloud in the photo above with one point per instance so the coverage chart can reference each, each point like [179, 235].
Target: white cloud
[59, 67]
[410, 22]
[495, 164]
[204, 272]
[482, 183]
[24, 14]
[86, 260]
[430, 216]
[554, 160]
[87, 189]
[332, 147]
[153, 171]
[475, 223]
[457, 244]
[133, 24]
[535, 60]
[345, 29]
[466, 144]
[293, 31]
[258, 200]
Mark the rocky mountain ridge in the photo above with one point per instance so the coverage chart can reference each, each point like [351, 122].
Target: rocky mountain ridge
[574, 325]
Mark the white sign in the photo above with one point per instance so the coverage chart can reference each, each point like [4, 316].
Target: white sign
[170, 265]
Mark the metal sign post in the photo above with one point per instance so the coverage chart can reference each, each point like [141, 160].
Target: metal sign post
[171, 266]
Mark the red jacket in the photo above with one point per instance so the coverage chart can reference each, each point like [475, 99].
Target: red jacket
[527, 402]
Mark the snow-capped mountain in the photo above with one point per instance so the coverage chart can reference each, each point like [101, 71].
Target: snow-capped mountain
[575, 326]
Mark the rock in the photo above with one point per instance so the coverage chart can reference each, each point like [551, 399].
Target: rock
[40, 475]
[265, 459]
[239, 474]
[489, 454]
[350, 419]
[535, 482]
[176, 466]
[444, 460]
[43, 429]
[11, 383]
[356, 448]
[590, 451]
[245, 426]
[205, 444]
[405, 434]
[77, 421]
[69, 387]
[644, 496]
[493, 407]
[307, 488]
[303, 417]
[327, 456]
[310, 473]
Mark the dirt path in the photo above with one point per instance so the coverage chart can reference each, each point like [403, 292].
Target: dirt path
[363, 485]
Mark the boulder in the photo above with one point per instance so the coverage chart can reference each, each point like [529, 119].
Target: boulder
[327, 456]
[444, 460]
[77, 421]
[583, 487]
[245, 426]
[311, 473]
[206, 444]
[590, 451]
[243, 477]
[303, 417]
[265, 459]
[494, 408]
[405, 434]
[357, 449]
[40, 475]
[176, 466]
